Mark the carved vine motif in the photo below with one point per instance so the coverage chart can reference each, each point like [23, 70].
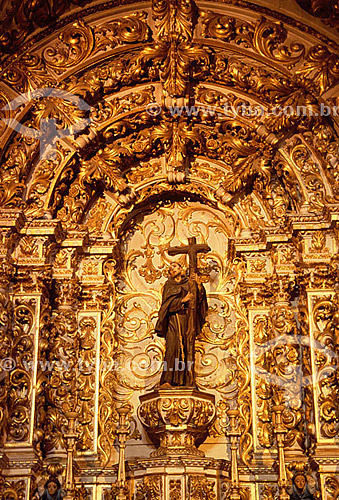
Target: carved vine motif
[86, 382]
[257, 163]
[108, 417]
[325, 319]
[279, 364]
[309, 169]
[6, 352]
[21, 20]
[112, 493]
[175, 489]
[309, 415]
[174, 51]
[150, 415]
[269, 492]
[62, 389]
[267, 38]
[80, 41]
[185, 139]
[81, 493]
[246, 158]
[332, 487]
[150, 488]
[20, 378]
[176, 412]
[42, 375]
[13, 174]
[200, 488]
[263, 36]
[13, 490]
[202, 413]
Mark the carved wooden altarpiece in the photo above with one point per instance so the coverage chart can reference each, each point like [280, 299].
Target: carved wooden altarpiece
[214, 120]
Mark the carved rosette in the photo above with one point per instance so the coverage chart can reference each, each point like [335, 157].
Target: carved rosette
[175, 419]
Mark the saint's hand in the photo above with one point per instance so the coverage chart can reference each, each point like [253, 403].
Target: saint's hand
[187, 297]
[195, 277]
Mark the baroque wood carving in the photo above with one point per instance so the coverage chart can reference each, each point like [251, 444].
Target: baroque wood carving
[171, 120]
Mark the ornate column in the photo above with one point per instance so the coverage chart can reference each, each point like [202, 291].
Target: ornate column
[320, 321]
[29, 317]
[280, 432]
[63, 359]
[11, 221]
[122, 433]
[234, 433]
[70, 437]
[95, 268]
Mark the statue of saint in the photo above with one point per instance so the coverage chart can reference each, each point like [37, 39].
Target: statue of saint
[52, 490]
[300, 490]
[181, 317]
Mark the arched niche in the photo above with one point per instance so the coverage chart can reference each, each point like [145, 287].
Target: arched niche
[135, 353]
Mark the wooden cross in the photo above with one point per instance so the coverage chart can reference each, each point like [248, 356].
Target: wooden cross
[192, 250]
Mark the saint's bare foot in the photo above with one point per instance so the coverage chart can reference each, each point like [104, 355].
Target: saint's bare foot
[166, 385]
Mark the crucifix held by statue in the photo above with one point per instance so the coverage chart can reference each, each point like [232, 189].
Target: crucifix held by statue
[181, 317]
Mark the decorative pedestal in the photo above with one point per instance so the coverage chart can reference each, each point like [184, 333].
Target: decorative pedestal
[177, 419]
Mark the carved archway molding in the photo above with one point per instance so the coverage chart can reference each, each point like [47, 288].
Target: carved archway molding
[297, 76]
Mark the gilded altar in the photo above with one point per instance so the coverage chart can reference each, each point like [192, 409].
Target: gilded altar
[127, 128]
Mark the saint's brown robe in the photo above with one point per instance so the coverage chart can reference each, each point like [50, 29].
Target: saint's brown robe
[172, 324]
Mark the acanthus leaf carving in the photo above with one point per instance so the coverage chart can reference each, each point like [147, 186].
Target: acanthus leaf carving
[62, 389]
[263, 36]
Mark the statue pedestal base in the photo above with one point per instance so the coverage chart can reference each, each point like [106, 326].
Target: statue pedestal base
[177, 419]
[185, 478]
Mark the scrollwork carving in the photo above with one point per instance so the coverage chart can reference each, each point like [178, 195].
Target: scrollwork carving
[150, 487]
[269, 492]
[200, 488]
[332, 487]
[62, 393]
[20, 378]
[324, 316]
[175, 489]
[86, 382]
[280, 365]
[263, 36]
[108, 417]
[6, 311]
[79, 41]
[81, 493]
[12, 489]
